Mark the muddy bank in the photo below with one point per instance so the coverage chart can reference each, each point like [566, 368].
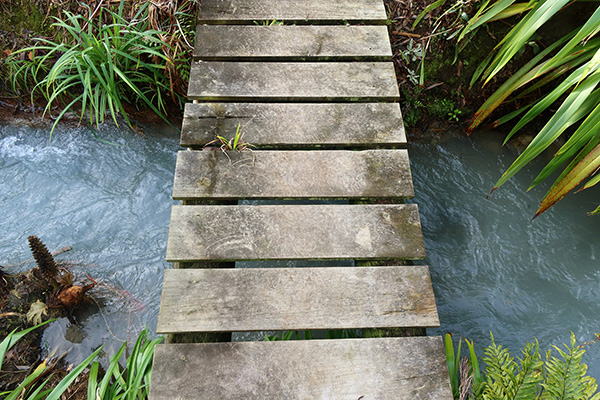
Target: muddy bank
[18, 111]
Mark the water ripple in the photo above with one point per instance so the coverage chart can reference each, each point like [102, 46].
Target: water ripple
[110, 202]
[492, 268]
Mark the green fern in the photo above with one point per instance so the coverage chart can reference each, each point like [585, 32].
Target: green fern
[566, 378]
[529, 378]
[530, 375]
[500, 372]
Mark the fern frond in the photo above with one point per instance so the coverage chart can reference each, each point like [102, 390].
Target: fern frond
[566, 376]
[500, 372]
[530, 374]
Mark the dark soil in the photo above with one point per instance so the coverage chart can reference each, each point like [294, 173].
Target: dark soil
[445, 98]
[18, 110]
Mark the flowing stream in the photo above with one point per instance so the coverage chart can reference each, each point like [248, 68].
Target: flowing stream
[111, 203]
[492, 268]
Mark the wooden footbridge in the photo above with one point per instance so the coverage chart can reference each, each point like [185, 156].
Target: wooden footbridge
[318, 97]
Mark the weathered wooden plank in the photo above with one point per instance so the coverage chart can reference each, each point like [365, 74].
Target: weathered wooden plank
[291, 11]
[292, 174]
[257, 299]
[289, 42]
[285, 124]
[293, 81]
[301, 232]
[383, 369]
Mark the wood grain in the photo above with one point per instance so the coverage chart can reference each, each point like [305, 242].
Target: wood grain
[273, 299]
[283, 125]
[291, 11]
[294, 232]
[292, 43]
[292, 174]
[293, 81]
[368, 369]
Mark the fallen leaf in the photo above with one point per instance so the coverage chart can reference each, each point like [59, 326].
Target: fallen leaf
[37, 309]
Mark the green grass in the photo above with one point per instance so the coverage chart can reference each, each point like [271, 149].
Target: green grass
[308, 335]
[125, 383]
[97, 67]
[33, 387]
[130, 382]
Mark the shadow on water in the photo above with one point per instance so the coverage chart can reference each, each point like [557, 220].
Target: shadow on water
[492, 268]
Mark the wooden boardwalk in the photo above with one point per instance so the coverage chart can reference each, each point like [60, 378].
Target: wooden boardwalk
[317, 97]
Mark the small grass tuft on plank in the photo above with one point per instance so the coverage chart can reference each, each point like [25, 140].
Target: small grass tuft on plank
[236, 143]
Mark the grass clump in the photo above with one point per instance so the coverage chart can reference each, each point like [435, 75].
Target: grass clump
[35, 385]
[102, 61]
[130, 382]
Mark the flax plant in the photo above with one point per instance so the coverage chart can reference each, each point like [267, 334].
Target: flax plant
[126, 383]
[97, 66]
[574, 61]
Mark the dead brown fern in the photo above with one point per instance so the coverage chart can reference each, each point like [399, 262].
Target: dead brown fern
[466, 379]
[44, 260]
[176, 19]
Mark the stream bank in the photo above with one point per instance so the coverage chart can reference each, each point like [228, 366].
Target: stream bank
[110, 203]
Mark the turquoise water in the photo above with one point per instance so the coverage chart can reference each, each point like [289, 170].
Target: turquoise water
[111, 203]
[492, 268]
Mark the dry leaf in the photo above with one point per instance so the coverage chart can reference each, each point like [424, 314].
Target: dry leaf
[37, 309]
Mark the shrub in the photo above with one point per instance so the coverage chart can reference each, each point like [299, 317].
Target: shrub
[97, 66]
[531, 377]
